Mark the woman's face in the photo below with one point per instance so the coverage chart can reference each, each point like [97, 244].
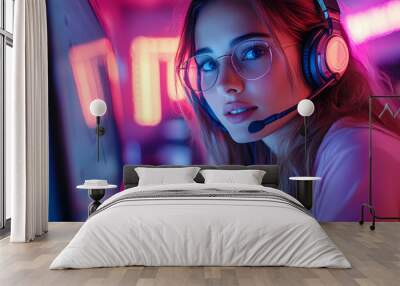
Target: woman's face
[237, 101]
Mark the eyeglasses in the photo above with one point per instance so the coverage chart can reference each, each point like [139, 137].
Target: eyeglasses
[251, 59]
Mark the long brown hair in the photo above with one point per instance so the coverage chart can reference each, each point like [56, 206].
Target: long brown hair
[348, 97]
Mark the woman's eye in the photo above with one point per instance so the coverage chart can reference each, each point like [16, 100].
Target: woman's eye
[208, 66]
[254, 53]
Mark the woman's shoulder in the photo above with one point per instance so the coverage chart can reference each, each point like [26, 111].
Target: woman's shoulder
[343, 163]
[348, 138]
[351, 132]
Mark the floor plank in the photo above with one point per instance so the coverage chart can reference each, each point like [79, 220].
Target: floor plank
[374, 255]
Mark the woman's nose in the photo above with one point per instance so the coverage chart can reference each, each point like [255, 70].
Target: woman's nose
[229, 82]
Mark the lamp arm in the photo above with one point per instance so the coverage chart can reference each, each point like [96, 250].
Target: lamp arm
[100, 131]
[305, 146]
[98, 137]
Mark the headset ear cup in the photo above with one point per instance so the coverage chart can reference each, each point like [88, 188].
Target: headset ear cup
[337, 55]
[319, 73]
[307, 54]
[315, 64]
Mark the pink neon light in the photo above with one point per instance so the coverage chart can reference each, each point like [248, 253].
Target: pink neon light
[113, 74]
[85, 60]
[146, 54]
[374, 22]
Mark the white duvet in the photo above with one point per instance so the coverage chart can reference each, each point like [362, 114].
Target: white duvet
[185, 231]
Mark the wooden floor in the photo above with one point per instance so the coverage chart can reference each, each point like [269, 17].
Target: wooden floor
[375, 257]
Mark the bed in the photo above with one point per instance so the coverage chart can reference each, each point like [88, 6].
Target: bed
[198, 224]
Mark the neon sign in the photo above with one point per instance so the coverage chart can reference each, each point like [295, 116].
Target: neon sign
[386, 109]
[146, 55]
[86, 60]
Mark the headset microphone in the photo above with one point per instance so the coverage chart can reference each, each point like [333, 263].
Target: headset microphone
[258, 125]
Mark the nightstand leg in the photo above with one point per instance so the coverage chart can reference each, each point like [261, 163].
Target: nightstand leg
[93, 207]
[304, 193]
[96, 195]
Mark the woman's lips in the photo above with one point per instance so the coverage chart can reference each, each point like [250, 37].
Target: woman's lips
[237, 112]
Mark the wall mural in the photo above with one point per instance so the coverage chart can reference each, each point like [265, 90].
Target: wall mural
[125, 53]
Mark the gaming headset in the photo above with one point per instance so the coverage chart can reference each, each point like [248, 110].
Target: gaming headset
[325, 52]
[325, 59]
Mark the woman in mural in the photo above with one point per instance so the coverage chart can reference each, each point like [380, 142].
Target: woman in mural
[243, 61]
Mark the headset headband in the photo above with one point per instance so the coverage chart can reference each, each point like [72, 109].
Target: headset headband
[328, 6]
[330, 11]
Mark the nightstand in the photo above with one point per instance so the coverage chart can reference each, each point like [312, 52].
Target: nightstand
[96, 190]
[304, 190]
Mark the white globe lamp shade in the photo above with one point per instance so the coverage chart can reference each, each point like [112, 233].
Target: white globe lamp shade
[98, 107]
[305, 107]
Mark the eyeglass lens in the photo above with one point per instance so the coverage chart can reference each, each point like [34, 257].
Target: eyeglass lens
[250, 59]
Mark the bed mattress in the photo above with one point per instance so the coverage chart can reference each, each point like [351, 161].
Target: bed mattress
[201, 225]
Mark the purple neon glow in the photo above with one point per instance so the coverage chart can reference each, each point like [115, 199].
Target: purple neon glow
[374, 22]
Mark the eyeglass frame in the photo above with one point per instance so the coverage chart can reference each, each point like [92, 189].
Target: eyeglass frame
[268, 45]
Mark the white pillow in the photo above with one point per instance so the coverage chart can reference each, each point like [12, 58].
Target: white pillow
[248, 177]
[163, 176]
